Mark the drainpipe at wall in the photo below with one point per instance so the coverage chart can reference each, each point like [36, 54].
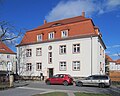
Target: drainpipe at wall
[91, 55]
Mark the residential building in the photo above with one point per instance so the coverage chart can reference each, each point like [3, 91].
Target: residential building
[71, 46]
[113, 68]
[7, 59]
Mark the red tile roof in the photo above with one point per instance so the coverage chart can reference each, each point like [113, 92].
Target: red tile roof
[77, 26]
[118, 61]
[5, 49]
[108, 58]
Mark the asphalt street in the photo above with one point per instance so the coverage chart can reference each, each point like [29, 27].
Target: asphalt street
[30, 88]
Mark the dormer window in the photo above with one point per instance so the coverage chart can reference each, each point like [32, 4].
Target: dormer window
[51, 35]
[64, 33]
[39, 37]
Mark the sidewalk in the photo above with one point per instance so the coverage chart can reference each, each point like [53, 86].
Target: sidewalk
[20, 83]
[70, 94]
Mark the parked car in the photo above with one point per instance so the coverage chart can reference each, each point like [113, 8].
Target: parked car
[64, 79]
[95, 80]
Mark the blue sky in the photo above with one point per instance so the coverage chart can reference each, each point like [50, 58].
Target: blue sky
[29, 14]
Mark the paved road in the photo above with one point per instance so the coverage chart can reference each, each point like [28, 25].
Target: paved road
[40, 87]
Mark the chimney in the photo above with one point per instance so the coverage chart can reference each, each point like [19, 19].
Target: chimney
[45, 21]
[83, 13]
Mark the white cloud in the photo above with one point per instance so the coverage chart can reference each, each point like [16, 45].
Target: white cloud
[70, 8]
[115, 55]
[114, 46]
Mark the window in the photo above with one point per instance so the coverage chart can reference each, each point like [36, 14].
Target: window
[76, 48]
[64, 33]
[50, 57]
[38, 66]
[101, 66]
[76, 65]
[51, 35]
[28, 52]
[103, 54]
[38, 51]
[39, 37]
[28, 67]
[62, 49]
[100, 50]
[8, 56]
[62, 66]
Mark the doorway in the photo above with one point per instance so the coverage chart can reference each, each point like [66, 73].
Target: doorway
[50, 72]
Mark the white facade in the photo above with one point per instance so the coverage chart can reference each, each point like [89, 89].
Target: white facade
[8, 62]
[90, 59]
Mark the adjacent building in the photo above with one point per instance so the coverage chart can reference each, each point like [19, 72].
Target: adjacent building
[7, 59]
[72, 46]
[113, 68]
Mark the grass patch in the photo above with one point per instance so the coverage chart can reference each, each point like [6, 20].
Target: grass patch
[90, 94]
[52, 94]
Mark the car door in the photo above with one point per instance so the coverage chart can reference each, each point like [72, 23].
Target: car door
[88, 81]
[61, 79]
[54, 79]
[95, 80]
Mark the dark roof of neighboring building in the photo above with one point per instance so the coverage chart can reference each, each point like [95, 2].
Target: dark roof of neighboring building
[4, 49]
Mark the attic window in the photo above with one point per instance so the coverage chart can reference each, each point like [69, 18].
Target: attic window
[2, 49]
[56, 24]
[64, 33]
[39, 37]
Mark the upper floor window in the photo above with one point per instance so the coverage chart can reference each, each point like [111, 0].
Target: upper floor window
[8, 56]
[76, 65]
[64, 33]
[100, 50]
[39, 37]
[28, 67]
[38, 66]
[51, 35]
[62, 49]
[28, 52]
[62, 66]
[76, 48]
[38, 51]
[50, 57]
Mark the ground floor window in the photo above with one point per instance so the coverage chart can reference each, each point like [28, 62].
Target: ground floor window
[28, 67]
[76, 65]
[39, 66]
[62, 66]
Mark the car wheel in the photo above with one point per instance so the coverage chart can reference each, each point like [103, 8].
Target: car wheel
[65, 83]
[80, 84]
[101, 85]
[48, 82]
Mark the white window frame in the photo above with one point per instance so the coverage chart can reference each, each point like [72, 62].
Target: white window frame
[39, 66]
[49, 57]
[28, 66]
[62, 49]
[39, 37]
[63, 66]
[76, 65]
[38, 51]
[64, 33]
[51, 35]
[28, 52]
[76, 48]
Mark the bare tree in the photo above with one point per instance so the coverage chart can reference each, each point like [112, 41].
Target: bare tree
[8, 32]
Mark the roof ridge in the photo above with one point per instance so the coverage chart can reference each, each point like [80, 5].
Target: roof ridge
[60, 21]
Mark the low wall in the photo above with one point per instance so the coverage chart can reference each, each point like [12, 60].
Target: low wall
[114, 76]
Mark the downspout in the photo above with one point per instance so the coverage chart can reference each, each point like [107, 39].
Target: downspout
[91, 55]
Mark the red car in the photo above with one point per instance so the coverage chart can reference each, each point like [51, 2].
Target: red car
[64, 79]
